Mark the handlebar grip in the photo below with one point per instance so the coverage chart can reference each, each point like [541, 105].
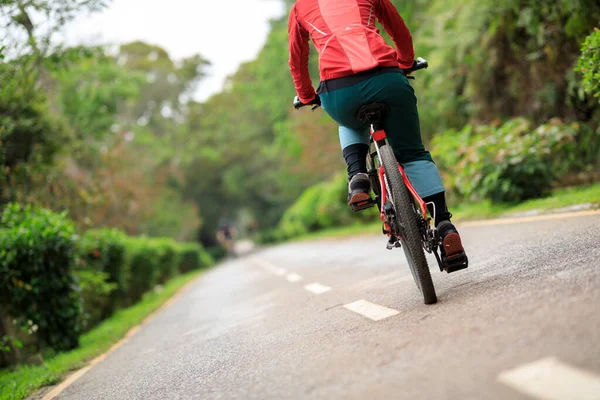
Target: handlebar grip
[420, 63]
[297, 103]
[316, 103]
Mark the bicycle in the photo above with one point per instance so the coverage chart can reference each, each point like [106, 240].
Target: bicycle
[403, 213]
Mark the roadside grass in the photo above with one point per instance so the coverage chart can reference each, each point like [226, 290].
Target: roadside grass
[24, 380]
[558, 199]
[481, 210]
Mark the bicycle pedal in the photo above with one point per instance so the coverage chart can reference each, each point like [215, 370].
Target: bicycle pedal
[363, 205]
[456, 262]
[393, 243]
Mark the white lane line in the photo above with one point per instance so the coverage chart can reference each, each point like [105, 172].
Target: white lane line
[267, 266]
[317, 288]
[549, 379]
[371, 310]
[293, 277]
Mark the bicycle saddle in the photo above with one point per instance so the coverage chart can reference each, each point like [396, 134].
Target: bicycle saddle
[372, 113]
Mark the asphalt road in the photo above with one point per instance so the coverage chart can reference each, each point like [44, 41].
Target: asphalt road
[523, 322]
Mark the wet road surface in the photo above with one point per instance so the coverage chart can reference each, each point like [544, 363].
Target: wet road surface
[342, 319]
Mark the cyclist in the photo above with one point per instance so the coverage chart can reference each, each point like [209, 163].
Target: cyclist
[358, 67]
[226, 233]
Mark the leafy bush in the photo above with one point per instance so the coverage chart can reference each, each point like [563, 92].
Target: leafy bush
[143, 260]
[192, 256]
[268, 236]
[589, 63]
[168, 258]
[301, 217]
[206, 259]
[37, 288]
[95, 291]
[103, 250]
[513, 161]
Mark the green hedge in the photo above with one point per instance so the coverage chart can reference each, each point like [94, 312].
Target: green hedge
[142, 259]
[514, 161]
[192, 256]
[37, 287]
[95, 294]
[168, 258]
[57, 284]
[103, 250]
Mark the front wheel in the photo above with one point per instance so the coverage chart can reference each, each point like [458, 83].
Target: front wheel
[406, 225]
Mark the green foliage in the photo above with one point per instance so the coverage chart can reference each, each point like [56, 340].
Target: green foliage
[143, 260]
[56, 284]
[29, 136]
[103, 251]
[589, 63]
[323, 205]
[92, 89]
[95, 291]
[24, 380]
[168, 258]
[37, 250]
[514, 161]
[494, 60]
[192, 257]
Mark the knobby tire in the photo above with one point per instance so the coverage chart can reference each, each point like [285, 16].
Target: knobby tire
[406, 214]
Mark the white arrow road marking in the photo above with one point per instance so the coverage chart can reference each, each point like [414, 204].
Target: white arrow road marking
[549, 379]
[371, 310]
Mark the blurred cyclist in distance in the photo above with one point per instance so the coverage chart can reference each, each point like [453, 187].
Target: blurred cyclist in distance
[226, 234]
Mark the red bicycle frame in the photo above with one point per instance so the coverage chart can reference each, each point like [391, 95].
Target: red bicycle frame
[378, 136]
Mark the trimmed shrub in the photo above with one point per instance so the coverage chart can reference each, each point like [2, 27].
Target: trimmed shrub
[514, 161]
[206, 259]
[143, 261]
[95, 292]
[37, 288]
[192, 256]
[103, 250]
[168, 258]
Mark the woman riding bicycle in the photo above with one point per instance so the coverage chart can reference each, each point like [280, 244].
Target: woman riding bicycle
[358, 67]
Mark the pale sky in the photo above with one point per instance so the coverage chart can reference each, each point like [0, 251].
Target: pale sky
[226, 32]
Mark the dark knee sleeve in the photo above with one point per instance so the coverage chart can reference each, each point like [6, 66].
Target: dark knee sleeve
[441, 209]
[356, 158]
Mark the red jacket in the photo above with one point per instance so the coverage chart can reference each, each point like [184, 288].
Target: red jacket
[345, 35]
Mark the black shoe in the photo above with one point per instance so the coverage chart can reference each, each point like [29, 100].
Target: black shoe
[454, 257]
[359, 192]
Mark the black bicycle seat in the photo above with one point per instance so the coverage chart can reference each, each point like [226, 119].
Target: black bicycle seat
[372, 113]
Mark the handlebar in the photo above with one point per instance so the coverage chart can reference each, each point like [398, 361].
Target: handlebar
[316, 103]
[420, 63]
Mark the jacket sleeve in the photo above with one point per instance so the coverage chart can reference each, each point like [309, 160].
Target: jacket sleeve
[394, 25]
[298, 45]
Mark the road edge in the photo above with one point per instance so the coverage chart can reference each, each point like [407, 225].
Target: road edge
[75, 375]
